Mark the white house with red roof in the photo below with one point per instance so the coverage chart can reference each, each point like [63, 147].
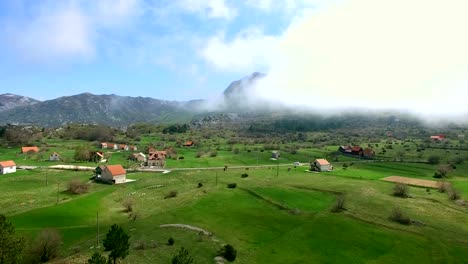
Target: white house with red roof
[114, 174]
[321, 165]
[7, 166]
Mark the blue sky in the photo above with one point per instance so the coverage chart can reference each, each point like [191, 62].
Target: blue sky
[168, 49]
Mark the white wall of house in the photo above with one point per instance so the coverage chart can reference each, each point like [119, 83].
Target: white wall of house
[5, 170]
[120, 179]
[117, 178]
[324, 167]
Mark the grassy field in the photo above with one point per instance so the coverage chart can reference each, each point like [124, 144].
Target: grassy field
[256, 218]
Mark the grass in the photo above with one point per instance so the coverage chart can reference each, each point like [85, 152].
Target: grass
[255, 217]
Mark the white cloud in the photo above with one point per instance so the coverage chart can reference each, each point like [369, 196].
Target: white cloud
[265, 5]
[210, 8]
[248, 51]
[375, 53]
[53, 33]
[115, 12]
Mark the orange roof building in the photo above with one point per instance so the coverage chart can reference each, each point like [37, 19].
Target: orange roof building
[29, 149]
[114, 174]
[7, 166]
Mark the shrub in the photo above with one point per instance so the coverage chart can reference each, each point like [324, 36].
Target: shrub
[232, 185]
[76, 187]
[433, 159]
[245, 175]
[128, 204]
[170, 241]
[453, 194]
[228, 252]
[400, 190]
[182, 257]
[339, 204]
[444, 187]
[398, 216]
[171, 194]
[47, 245]
[213, 153]
[200, 185]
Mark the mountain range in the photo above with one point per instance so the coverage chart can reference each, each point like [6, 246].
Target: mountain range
[114, 110]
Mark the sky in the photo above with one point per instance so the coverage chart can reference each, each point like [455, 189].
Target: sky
[404, 54]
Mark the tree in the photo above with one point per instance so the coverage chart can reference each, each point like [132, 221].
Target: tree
[11, 246]
[433, 159]
[228, 252]
[97, 258]
[116, 242]
[47, 245]
[182, 257]
[82, 153]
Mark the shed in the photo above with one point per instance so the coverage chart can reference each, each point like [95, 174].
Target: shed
[275, 154]
[54, 157]
[7, 166]
[33, 149]
[321, 165]
[114, 174]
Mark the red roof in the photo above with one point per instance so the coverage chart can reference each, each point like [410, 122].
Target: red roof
[157, 155]
[7, 163]
[188, 143]
[322, 162]
[28, 149]
[356, 149]
[116, 170]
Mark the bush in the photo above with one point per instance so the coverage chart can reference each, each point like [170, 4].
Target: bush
[200, 185]
[339, 204]
[443, 187]
[170, 241]
[398, 216]
[128, 204]
[213, 153]
[433, 159]
[76, 187]
[47, 245]
[232, 185]
[453, 194]
[400, 190]
[171, 194]
[245, 175]
[228, 252]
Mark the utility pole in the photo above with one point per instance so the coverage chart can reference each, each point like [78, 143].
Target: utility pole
[216, 179]
[97, 234]
[277, 169]
[46, 180]
[58, 188]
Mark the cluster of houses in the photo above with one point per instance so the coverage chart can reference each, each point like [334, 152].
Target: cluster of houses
[107, 145]
[357, 151]
[154, 159]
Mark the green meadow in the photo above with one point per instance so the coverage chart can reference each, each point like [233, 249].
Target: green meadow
[271, 217]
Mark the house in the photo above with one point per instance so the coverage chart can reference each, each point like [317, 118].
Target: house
[357, 150]
[103, 145]
[54, 157]
[321, 165]
[438, 137]
[188, 144]
[345, 149]
[157, 159]
[112, 146]
[275, 154]
[138, 157]
[8, 166]
[133, 148]
[368, 153]
[114, 174]
[124, 147]
[33, 149]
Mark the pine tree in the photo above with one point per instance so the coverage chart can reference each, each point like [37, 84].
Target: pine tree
[11, 246]
[182, 257]
[116, 242]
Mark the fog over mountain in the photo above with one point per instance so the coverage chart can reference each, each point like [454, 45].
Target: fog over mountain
[405, 55]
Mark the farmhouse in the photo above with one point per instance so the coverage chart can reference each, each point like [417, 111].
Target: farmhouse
[275, 154]
[114, 174]
[357, 150]
[188, 144]
[54, 157]
[112, 146]
[157, 159]
[96, 156]
[123, 147]
[345, 149]
[321, 165]
[103, 145]
[33, 149]
[8, 166]
[440, 137]
[133, 148]
[139, 157]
